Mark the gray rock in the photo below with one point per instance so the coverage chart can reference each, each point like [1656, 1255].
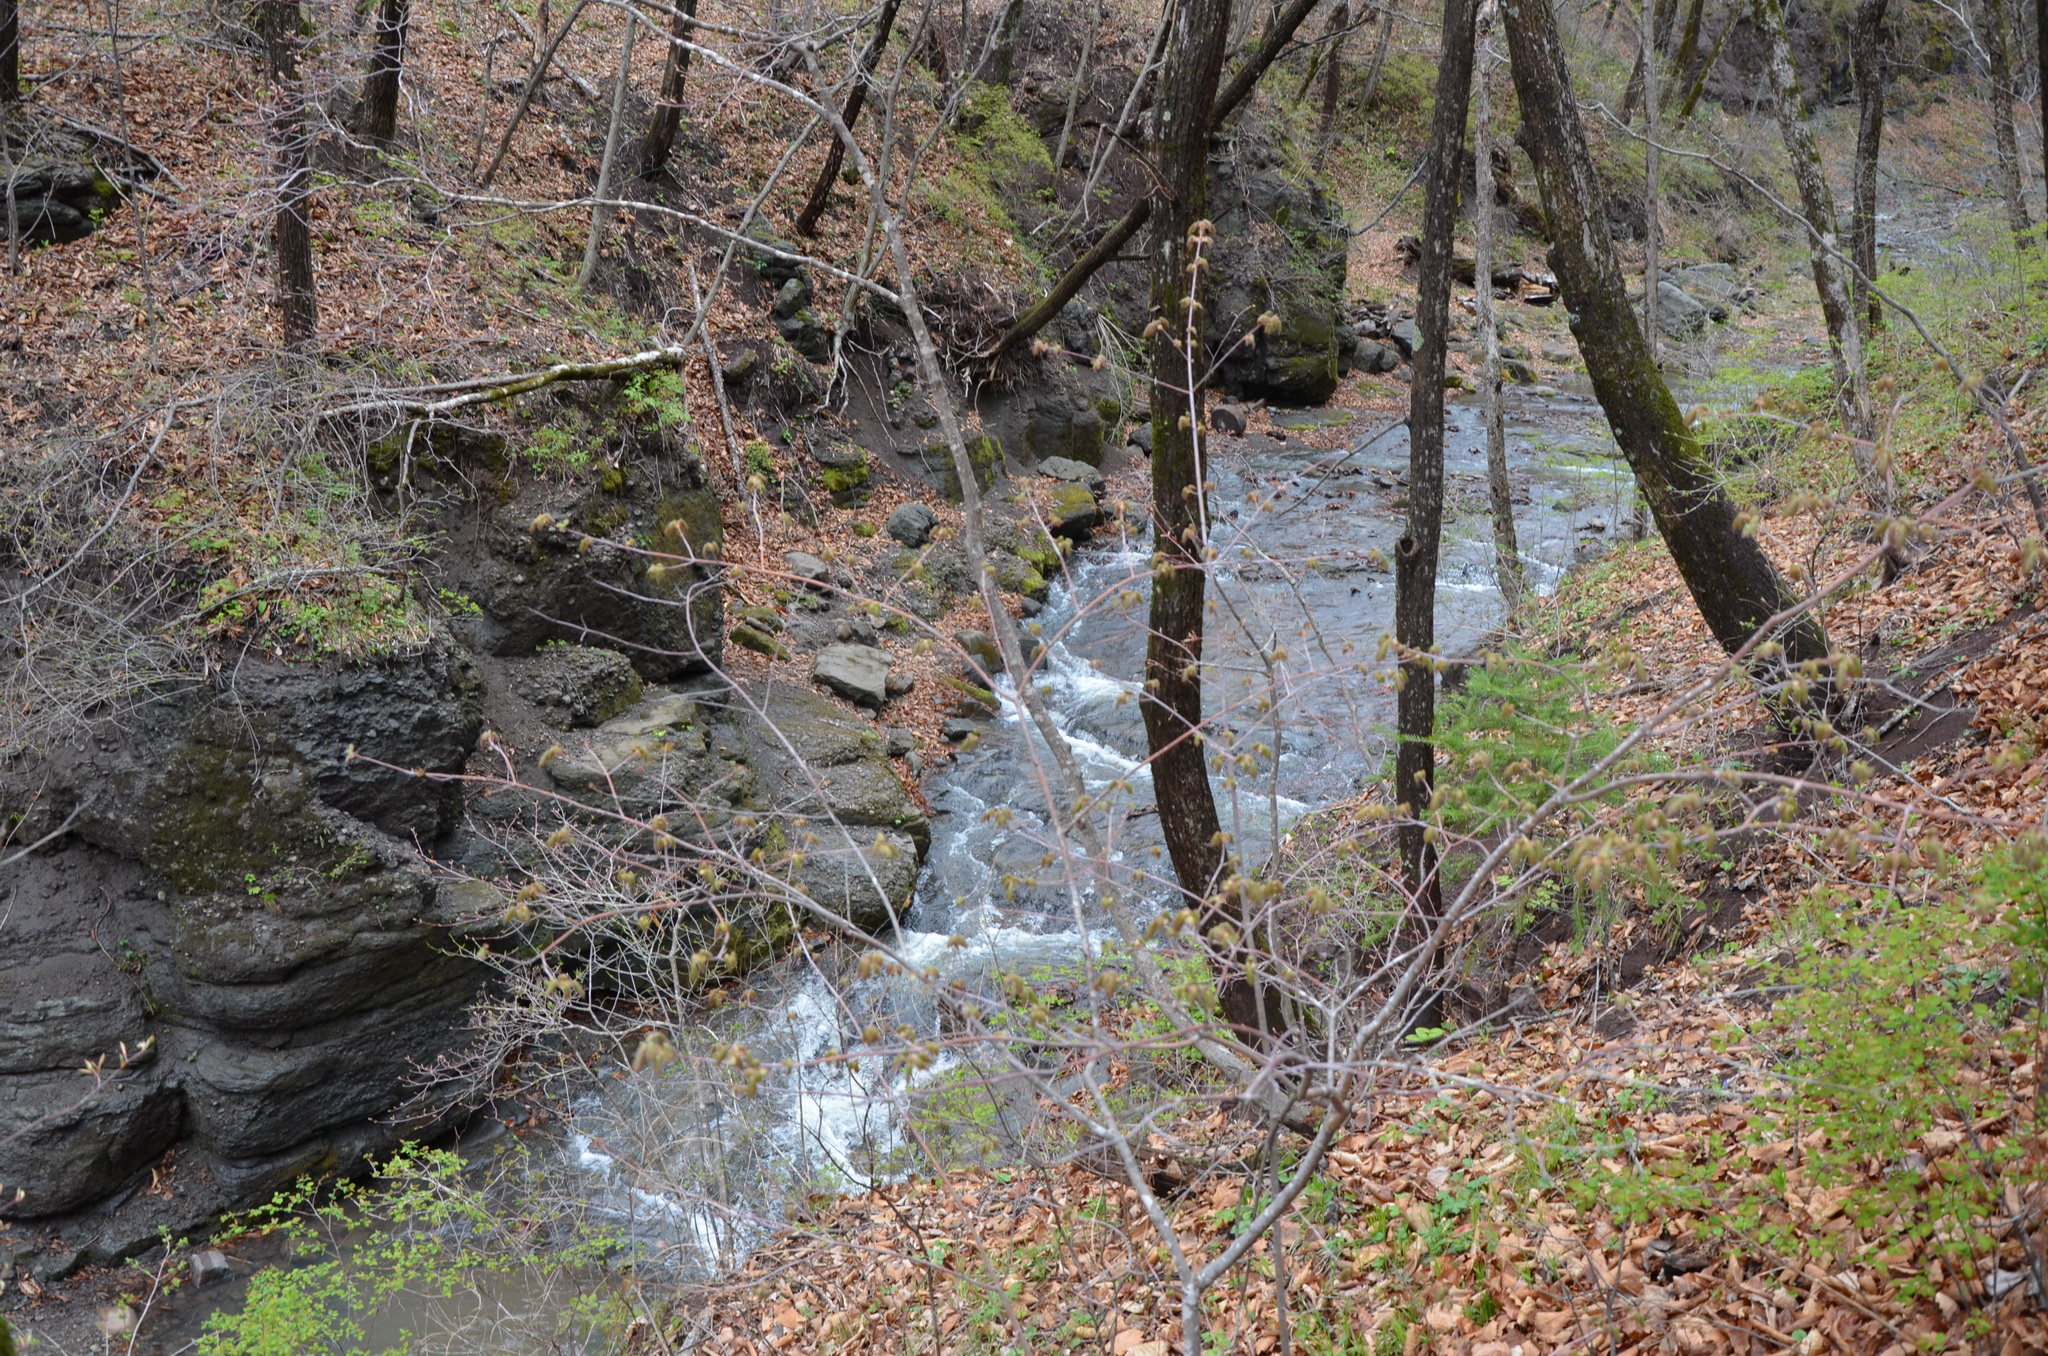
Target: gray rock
[791, 297]
[898, 740]
[984, 458]
[1518, 371]
[899, 684]
[980, 647]
[859, 876]
[740, 368]
[808, 569]
[210, 1265]
[1140, 436]
[1281, 248]
[1560, 353]
[584, 686]
[1679, 315]
[1407, 337]
[859, 673]
[956, 728]
[911, 524]
[1227, 418]
[1374, 356]
[1061, 468]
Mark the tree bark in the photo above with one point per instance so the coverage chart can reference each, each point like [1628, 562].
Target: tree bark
[1002, 62]
[1688, 50]
[1817, 202]
[1698, 85]
[1652, 196]
[2041, 59]
[835, 156]
[1415, 556]
[1732, 581]
[1866, 55]
[1507, 551]
[2012, 177]
[1173, 651]
[10, 51]
[1333, 79]
[1379, 54]
[378, 120]
[668, 111]
[291, 232]
[1081, 72]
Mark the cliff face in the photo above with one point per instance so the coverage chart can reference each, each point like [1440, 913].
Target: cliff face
[273, 931]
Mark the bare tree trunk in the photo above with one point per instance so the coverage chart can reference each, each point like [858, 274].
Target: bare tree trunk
[600, 210]
[1706, 67]
[1656, 27]
[1732, 581]
[533, 79]
[1507, 552]
[1002, 63]
[1173, 650]
[1688, 49]
[1379, 54]
[10, 51]
[378, 119]
[2012, 177]
[1866, 55]
[1059, 154]
[668, 112]
[1415, 556]
[1333, 80]
[2041, 60]
[1817, 201]
[835, 155]
[291, 231]
[1652, 197]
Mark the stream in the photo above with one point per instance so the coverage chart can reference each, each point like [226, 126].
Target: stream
[1306, 536]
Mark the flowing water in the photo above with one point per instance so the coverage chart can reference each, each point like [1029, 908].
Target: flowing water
[693, 1176]
[1306, 538]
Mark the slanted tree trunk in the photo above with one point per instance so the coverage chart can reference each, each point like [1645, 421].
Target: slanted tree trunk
[1507, 551]
[377, 121]
[856, 99]
[1081, 74]
[1379, 54]
[2041, 60]
[2012, 179]
[1652, 195]
[1653, 37]
[1817, 202]
[10, 51]
[1173, 651]
[1415, 556]
[1698, 84]
[600, 209]
[1866, 55]
[668, 110]
[1732, 581]
[291, 231]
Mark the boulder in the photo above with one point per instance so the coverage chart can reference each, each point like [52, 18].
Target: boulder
[808, 569]
[1679, 315]
[760, 642]
[1140, 436]
[584, 686]
[1073, 512]
[1374, 356]
[1227, 418]
[843, 473]
[1060, 468]
[1407, 337]
[911, 524]
[859, 673]
[1281, 248]
[984, 455]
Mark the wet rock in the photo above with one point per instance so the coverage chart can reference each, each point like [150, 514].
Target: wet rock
[582, 685]
[956, 729]
[859, 673]
[1060, 468]
[1073, 512]
[911, 524]
[210, 1265]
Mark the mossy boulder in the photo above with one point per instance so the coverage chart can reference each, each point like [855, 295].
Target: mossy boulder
[1281, 248]
[984, 455]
